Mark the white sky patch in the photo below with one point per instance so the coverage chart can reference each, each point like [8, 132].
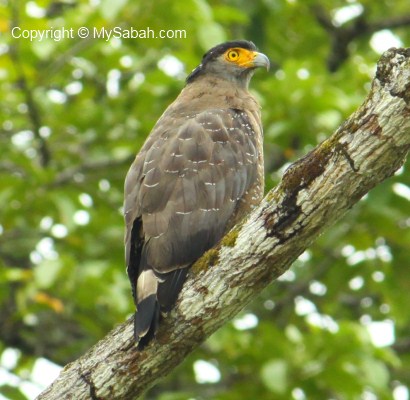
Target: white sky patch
[269, 304]
[303, 74]
[356, 258]
[9, 358]
[288, 276]
[400, 171]
[356, 283]
[22, 138]
[44, 132]
[381, 333]
[3, 50]
[345, 14]
[304, 306]
[30, 319]
[45, 247]
[85, 199]
[77, 73]
[365, 319]
[171, 66]
[347, 250]
[59, 231]
[22, 108]
[305, 256]
[381, 251]
[44, 379]
[46, 223]
[74, 88]
[136, 81]
[8, 125]
[383, 40]
[384, 308]
[44, 372]
[378, 276]
[30, 153]
[56, 96]
[365, 197]
[322, 321]
[104, 185]
[35, 257]
[205, 372]
[126, 61]
[405, 223]
[247, 321]
[401, 190]
[81, 217]
[113, 83]
[31, 390]
[370, 253]
[366, 302]
[401, 392]
[280, 74]
[115, 42]
[367, 395]
[317, 288]
[298, 394]
[34, 11]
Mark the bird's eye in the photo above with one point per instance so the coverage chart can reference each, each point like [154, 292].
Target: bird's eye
[233, 55]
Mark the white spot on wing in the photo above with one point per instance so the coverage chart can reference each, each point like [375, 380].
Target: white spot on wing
[151, 186]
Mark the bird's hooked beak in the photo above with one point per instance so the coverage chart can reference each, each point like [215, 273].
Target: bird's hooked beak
[259, 60]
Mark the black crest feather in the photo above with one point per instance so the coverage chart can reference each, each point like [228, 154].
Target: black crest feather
[216, 52]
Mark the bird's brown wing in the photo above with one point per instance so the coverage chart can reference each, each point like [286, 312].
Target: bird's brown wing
[181, 191]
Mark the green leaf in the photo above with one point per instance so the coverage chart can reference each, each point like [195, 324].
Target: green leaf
[376, 374]
[110, 9]
[46, 273]
[210, 34]
[11, 392]
[274, 376]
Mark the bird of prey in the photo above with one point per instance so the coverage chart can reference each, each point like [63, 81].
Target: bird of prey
[198, 173]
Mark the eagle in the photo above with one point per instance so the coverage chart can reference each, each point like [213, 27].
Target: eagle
[198, 173]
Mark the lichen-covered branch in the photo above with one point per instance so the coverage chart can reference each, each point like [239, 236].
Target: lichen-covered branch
[315, 191]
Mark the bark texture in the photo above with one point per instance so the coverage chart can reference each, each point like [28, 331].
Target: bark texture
[314, 192]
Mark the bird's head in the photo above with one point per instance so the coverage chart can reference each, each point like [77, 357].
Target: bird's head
[234, 61]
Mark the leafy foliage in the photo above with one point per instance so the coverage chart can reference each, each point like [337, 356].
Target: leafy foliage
[75, 112]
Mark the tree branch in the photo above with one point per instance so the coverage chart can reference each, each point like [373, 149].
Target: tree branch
[33, 112]
[342, 36]
[314, 192]
[67, 174]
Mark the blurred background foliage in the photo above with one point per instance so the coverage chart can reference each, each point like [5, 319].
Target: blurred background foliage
[74, 113]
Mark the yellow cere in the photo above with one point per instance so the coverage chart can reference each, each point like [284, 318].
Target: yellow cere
[241, 57]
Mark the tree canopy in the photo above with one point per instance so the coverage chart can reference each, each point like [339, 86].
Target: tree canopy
[75, 112]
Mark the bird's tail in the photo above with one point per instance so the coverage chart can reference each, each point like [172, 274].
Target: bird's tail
[148, 311]
[156, 294]
[146, 321]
